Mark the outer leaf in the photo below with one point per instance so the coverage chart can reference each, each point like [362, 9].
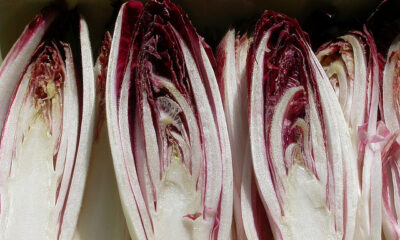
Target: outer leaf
[101, 215]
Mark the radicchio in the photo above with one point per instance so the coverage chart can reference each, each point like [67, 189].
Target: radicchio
[391, 151]
[251, 221]
[301, 148]
[352, 65]
[167, 128]
[47, 96]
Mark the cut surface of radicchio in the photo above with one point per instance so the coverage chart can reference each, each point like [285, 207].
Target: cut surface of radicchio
[250, 219]
[46, 117]
[353, 66]
[167, 127]
[300, 143]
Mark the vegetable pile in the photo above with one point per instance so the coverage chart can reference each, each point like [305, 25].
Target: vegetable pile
[162, 139]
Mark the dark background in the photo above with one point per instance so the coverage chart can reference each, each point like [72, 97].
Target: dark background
[322, 19]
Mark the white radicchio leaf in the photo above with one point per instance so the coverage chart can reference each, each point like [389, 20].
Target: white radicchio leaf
[167, 127]
[351, 62]
[47, 93]
[300, 143]
[251, 221]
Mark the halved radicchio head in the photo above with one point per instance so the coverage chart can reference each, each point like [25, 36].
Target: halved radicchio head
[300, 143]
[391, 151]
[46, 117]
[352, 65]
[167, 127]
[251, 221]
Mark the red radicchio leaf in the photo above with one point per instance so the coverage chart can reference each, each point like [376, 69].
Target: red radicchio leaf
[46, 116]
[167, 127]
[301, 150]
